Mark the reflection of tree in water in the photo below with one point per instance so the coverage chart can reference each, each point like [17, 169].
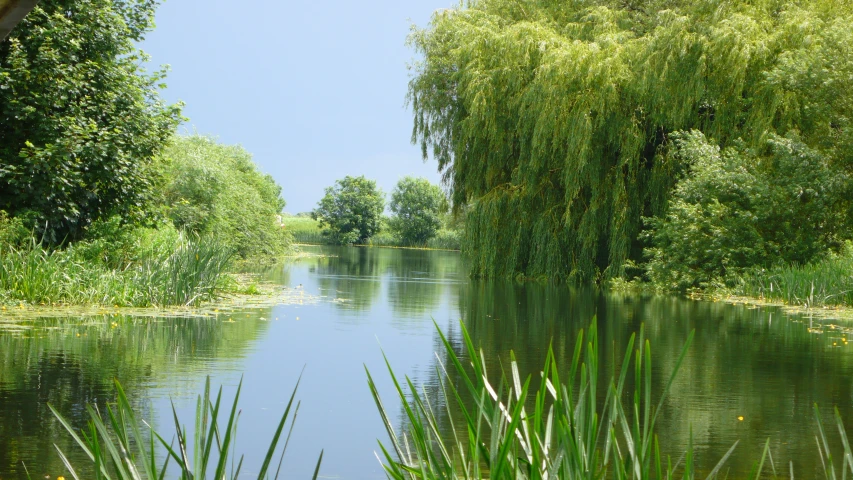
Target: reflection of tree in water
[70, 364]
[740, 363]
[418, 279]
[353, 275]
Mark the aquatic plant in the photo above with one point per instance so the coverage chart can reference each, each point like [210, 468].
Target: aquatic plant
[190, 271]
[550, 427]
[120, 448]
[826, 282]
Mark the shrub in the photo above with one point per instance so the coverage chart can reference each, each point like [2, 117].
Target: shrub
[215, 189]
[737, 208]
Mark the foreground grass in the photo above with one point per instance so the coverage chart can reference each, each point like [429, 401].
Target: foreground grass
[307, 231]
[120, 449]
[551, 426]
[555, 426]
[189, 272]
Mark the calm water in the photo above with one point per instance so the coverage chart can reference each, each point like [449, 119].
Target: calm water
[754, 363]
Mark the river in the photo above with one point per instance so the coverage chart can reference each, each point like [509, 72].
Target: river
[752, 374]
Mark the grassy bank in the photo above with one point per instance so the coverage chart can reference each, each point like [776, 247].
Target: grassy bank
[190, 271]
[825, 283]
[307, 231]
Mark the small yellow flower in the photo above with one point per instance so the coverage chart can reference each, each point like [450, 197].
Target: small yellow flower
[740, 418]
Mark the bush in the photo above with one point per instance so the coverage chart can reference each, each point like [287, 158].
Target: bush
[13, 231]
[418, 207]
[216, 190]
[351, 210]
[737, 209]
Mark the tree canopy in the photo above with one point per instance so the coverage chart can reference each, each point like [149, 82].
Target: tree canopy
[80, 118]
[551, 120]
[351, 210]
[417, 208]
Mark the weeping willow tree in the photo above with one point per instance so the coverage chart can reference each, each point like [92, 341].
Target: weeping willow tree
[550, 119]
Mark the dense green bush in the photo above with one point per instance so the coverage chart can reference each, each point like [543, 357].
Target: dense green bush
[215, 189]
[13, 231]
[418, 207]
[737, 208]
[351, 210]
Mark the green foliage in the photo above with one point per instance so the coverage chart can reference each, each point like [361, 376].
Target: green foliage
[216, 190]
[121, 449]
[351, 210]
[303, 230]
[526, 428]
[825, 282]
[418, 207]
[737, 209]
[165, 271]
[550, 119]
[13, 230]
[80, 118]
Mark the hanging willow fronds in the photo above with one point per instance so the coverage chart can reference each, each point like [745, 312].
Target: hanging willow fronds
[549, 119]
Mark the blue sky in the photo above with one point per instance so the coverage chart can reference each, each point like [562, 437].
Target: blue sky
[314, 90]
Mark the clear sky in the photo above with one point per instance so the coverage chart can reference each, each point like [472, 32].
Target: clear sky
[314, 90]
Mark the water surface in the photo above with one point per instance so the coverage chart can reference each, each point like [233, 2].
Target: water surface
[745, 362]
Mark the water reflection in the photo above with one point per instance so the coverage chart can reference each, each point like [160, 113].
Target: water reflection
[745, 362]
[353, 277]
[73, 362]
[754, 363]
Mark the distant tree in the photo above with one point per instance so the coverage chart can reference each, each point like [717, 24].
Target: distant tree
[80, 118]
[351, 210]
[417, 206]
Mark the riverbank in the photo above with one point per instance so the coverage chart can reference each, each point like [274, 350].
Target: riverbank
[823, 288]
[307, 231]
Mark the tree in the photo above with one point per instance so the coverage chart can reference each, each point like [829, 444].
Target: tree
[549, 119]
[80, 119]
[217, 190]
[417, 206]
[351, 210]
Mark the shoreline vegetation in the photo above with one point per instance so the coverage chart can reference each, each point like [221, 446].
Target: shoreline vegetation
[307, 231]
[824, 285]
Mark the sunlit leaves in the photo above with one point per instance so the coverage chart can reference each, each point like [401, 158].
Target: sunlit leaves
[80, 119]
[548, 118]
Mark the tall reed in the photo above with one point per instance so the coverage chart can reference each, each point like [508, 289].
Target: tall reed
[119, 448]
[190, 271]
[828, 282]
[525, 428]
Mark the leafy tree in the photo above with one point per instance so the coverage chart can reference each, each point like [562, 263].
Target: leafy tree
[737, 208]
[80, 118]
[351, 210]
[418, 207]
[549, 119]
[217, 190]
